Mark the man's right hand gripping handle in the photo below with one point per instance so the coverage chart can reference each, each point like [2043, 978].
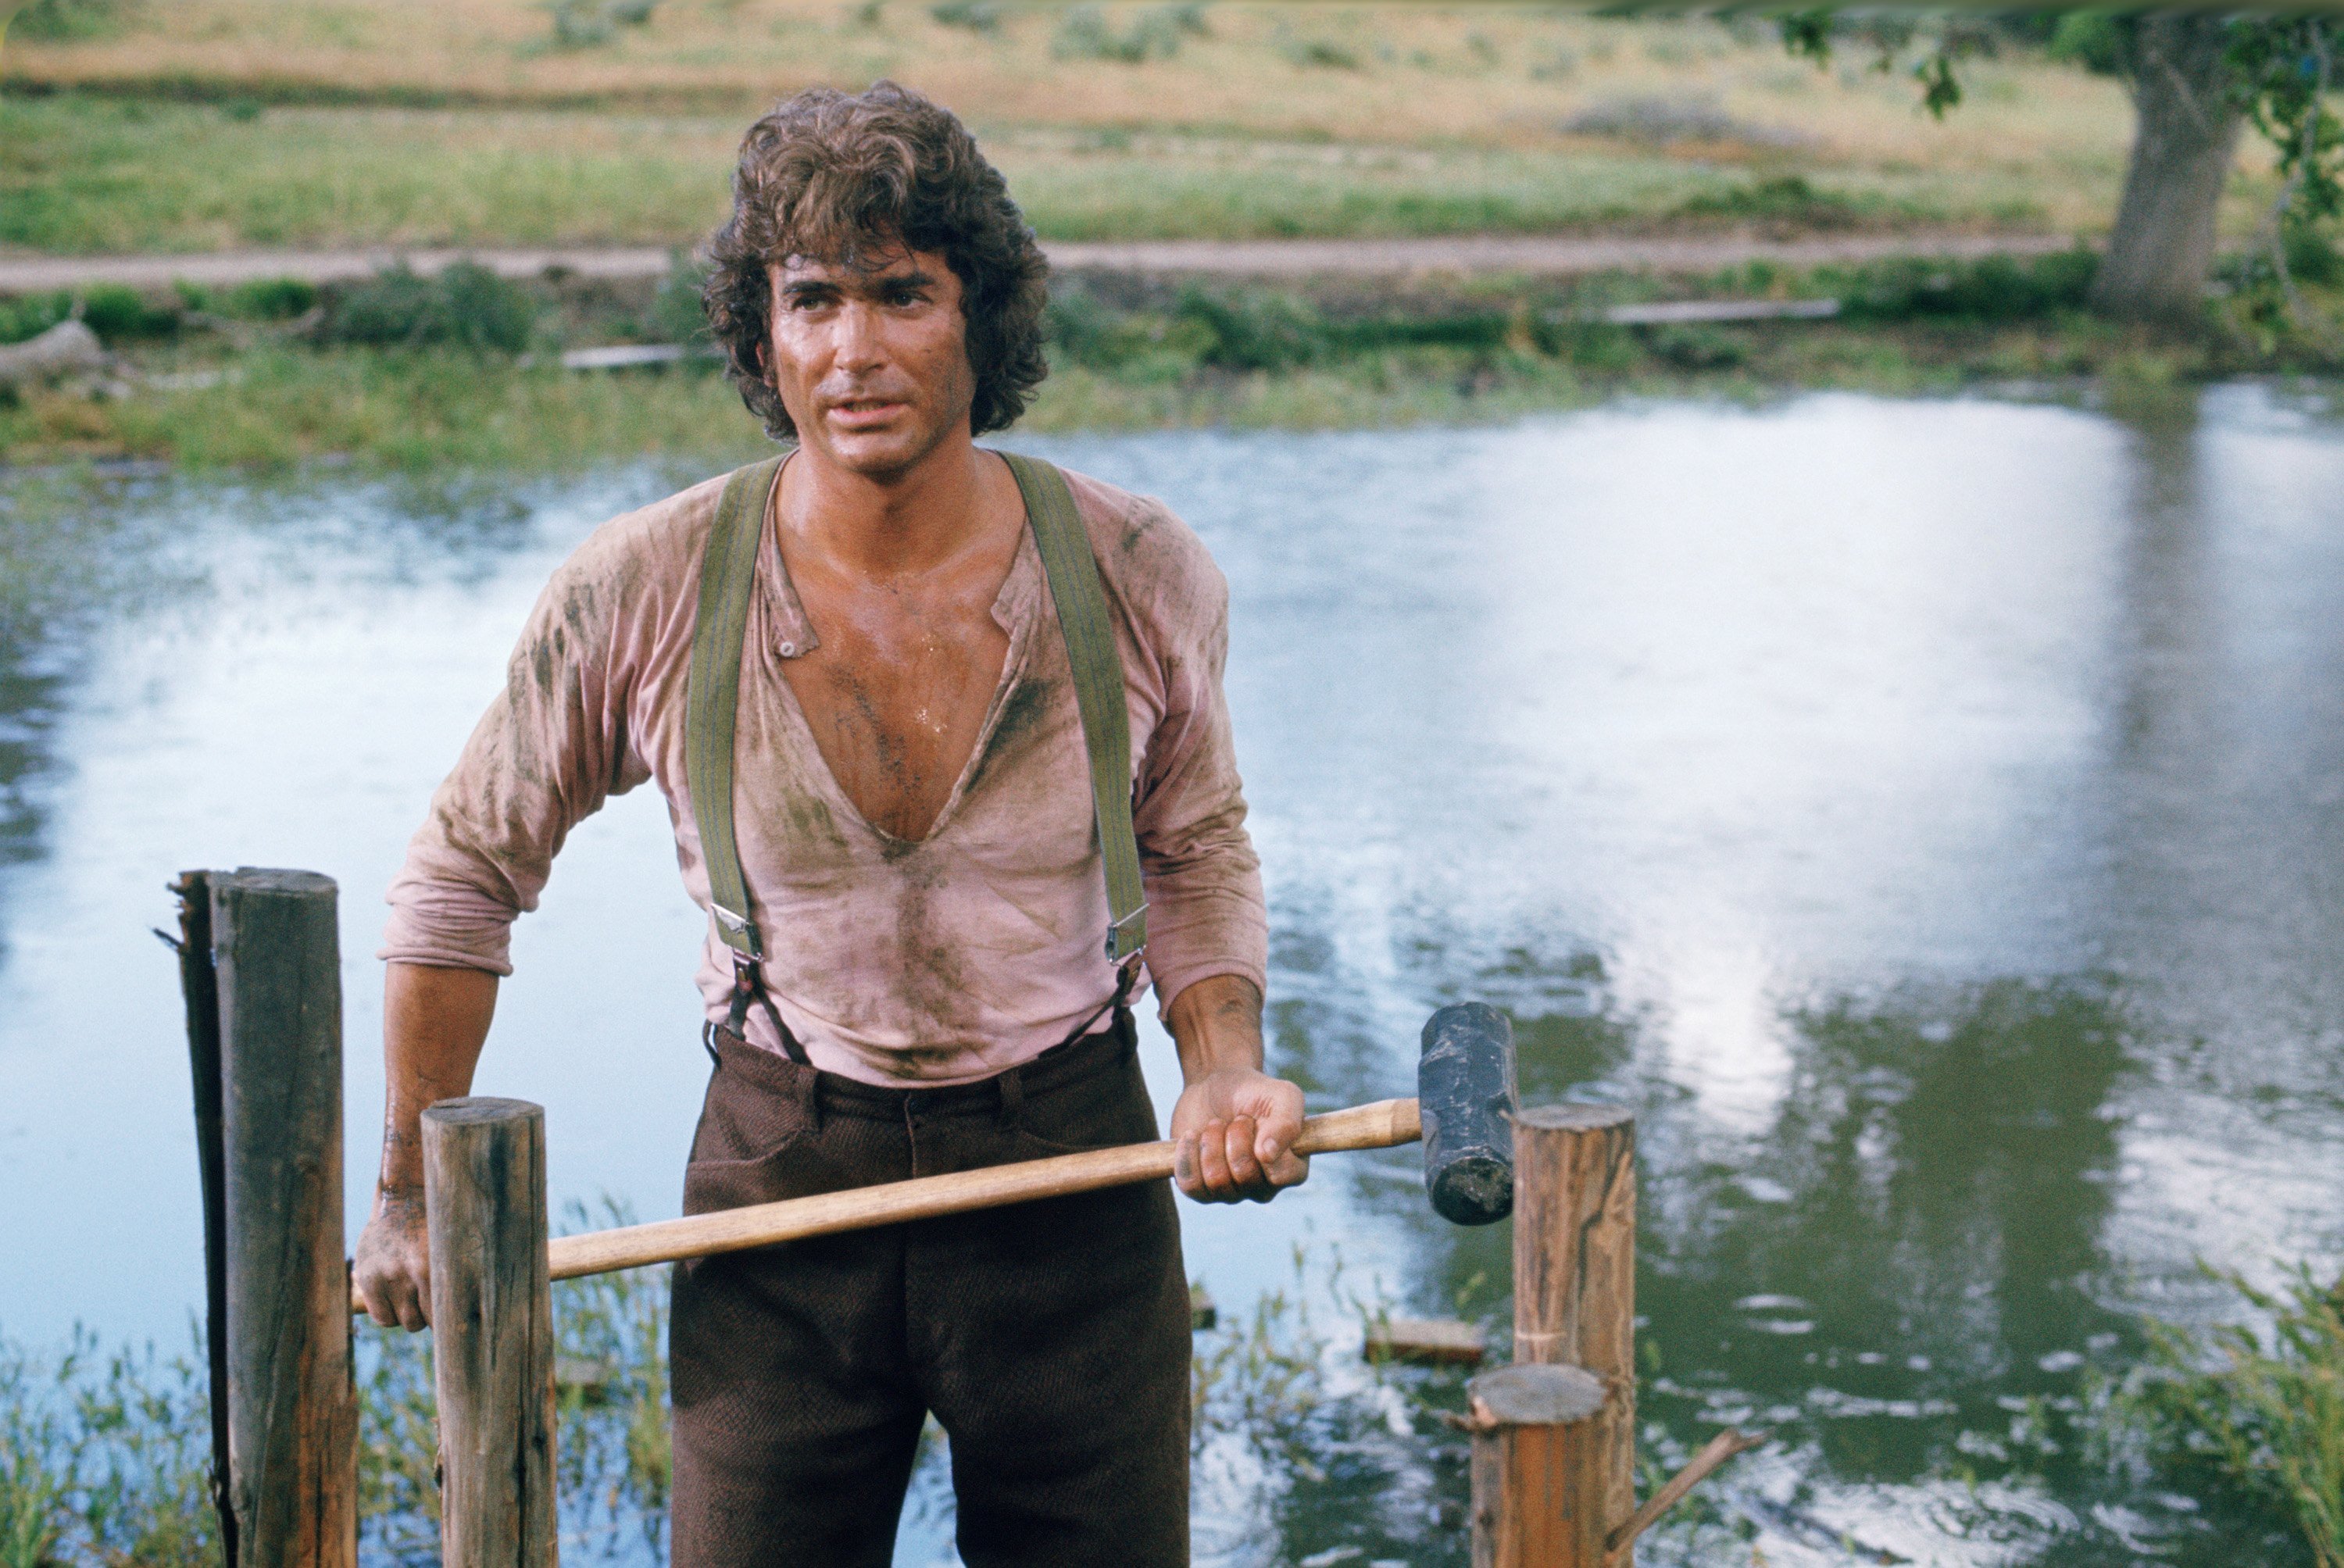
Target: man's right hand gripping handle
[393, 1268]
[434, 1022]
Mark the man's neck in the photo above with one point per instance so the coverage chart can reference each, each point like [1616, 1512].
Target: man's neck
[891, 525]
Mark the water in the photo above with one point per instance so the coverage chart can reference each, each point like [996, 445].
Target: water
[1925, 814]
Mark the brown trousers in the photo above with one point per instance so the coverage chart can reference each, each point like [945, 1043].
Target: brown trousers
[1051, 1339]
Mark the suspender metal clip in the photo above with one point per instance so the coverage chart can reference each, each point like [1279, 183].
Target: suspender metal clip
[1116, 953]
[751, 944]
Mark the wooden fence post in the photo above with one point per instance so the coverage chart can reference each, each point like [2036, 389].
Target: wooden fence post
[1537, 1473]
[1575, 1268]
[292, 1428]
[492, 1332]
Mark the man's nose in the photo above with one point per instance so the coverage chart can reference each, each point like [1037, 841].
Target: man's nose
[856, 342]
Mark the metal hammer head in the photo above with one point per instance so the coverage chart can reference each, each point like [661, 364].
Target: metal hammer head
[1465, 1095]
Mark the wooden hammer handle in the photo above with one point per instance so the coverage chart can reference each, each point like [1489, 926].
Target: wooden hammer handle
[1383, 1125]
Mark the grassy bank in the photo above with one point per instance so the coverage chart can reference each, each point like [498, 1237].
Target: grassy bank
[401, 374]
[210, 123]
[105, 1458]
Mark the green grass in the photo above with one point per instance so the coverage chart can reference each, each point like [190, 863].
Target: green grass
[2260, 1410]
[83, 174]
[1206, 188]
[388, 389]
[86, 174]
[390, 409]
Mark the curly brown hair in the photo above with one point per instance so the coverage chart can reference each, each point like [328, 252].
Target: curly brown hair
[849, 178]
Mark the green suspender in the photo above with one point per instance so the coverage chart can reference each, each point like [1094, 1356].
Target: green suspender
[1097, 669]
[728, 574]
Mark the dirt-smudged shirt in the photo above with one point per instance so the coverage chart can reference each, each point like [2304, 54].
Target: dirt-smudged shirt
[938, 962]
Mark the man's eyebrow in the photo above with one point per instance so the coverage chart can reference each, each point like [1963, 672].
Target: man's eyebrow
[893, 282]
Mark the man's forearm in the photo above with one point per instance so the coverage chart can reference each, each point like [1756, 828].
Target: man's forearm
[434, 1023]
[1216, 1023]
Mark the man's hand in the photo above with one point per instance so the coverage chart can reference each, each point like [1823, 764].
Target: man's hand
[1235, 1123]
[434, 1022]
[393, 1269]
[1234, 1128]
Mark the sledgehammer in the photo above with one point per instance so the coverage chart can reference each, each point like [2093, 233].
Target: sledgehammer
[1465, 1099]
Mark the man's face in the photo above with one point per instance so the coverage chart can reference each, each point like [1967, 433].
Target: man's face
[872, 362]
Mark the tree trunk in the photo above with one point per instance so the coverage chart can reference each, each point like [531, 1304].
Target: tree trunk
[2162, 250]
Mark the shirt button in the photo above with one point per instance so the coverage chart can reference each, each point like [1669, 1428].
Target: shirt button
[789, 650]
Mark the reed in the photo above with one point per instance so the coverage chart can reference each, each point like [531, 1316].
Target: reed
[2257, 1407]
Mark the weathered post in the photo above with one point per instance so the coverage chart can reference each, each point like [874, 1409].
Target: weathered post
[1575, 1269]
[1538, 1468]
[291, 1490]
[492, 1332]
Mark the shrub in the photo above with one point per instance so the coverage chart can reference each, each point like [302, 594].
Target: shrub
[1254, 330]
[1459, 330]
[1696, 347]
[271, 298]
[585, 24]
[1307, 54]
[1787, 198]
[1139, 345]
[118, 315]
[677, 314]
[1075, 322]
[31, 315]
[1660, 120]
[1155, 35]
[2311, 256]
[63, 21]
[1994, 289]
[465, 305]
[114, 313]
[976, 16]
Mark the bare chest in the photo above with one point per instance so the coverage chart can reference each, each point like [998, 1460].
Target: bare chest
[897, 694]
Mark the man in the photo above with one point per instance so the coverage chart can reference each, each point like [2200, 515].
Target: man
[911, 801]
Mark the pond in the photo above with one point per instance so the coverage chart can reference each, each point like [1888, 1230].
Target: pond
[1925, 814]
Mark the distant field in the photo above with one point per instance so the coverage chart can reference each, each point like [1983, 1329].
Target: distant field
[96, 175]
[202, 124]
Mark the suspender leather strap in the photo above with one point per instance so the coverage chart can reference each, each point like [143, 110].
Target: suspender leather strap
[728, 575]
[1099, 694]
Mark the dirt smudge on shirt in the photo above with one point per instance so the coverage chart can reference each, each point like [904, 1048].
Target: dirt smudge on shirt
[1023, 724]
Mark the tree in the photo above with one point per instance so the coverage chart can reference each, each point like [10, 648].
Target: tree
[2188, 115]
[2196, 80]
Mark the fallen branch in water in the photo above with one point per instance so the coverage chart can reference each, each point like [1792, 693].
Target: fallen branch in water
[1716, 1452]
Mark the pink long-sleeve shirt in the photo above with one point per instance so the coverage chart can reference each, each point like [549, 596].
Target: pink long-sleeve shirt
[935, 962]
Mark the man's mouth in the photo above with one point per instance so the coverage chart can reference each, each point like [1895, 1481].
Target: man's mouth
[860, 412]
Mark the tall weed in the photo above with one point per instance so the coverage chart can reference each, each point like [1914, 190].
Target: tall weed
[106, 1461]
[2260, 1410]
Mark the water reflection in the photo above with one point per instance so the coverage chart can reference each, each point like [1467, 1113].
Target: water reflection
[1926, 816]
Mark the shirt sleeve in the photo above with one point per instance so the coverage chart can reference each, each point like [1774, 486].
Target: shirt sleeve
[547, 753]
[1197, 866]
